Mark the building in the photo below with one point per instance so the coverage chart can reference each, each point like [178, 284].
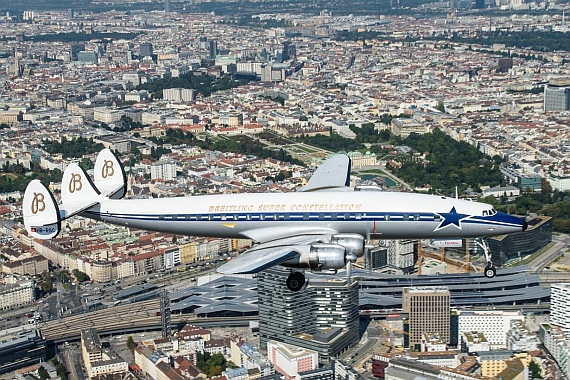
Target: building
[474, 341]
[359, 160]
[560, 305]
[499, 191]
[21, 349]
[167, 6]
[520, 339]
[97, 359]
[557, 344]
[428, 311]
[145, 49]
[166, 170]
[493, 362]
[291, 360]
[494, 324]
[213, 49]
[179, 94]
[556, 98]
[404, 127]
[537, 236]
[323, 317]
[16, 292]
[282, 313]
[87, 57]
[148, 360]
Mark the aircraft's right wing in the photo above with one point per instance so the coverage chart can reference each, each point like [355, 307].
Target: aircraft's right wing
[266, 255]
[333, 173]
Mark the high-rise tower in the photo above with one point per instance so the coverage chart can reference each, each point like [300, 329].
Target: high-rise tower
[322, 317]
[560, 305]
[428, 310]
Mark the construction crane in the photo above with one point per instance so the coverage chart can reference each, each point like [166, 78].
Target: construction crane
[390, 345]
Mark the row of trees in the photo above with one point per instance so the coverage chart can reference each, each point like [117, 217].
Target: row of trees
[240, 144]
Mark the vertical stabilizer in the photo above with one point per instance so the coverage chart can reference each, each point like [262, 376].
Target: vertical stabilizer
[40, 211]
[109, 174]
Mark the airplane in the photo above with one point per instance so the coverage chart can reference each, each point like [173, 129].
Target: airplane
[325, 226]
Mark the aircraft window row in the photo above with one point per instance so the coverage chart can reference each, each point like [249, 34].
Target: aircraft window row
[304, 216]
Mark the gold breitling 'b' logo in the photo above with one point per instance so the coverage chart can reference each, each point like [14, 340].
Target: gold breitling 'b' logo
[38, 203]
[107, 170]
[75, 183]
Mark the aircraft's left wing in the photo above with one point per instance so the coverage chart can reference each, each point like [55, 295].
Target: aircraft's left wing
[266, 255]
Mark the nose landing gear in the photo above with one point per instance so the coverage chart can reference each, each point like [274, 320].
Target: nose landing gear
[490, 270]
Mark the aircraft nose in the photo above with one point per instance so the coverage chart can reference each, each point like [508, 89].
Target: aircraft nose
[524, 225]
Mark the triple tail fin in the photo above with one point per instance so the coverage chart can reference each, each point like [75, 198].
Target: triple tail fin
[43, 216]
[40, 211]
[109, 174]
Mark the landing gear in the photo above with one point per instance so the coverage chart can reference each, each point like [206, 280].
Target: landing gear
[490, 270]
[295, 281]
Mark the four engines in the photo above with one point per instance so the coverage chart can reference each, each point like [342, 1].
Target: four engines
[331, 255]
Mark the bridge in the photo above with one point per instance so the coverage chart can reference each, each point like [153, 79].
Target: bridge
[127, 318]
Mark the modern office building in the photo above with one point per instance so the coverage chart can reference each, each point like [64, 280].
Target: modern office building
[428, 312]
[167, 6]
[560, 305]
[213, 51]
[282, 313]
[20, 349]
[511, 246]
[146, 49]
[322, 317]
[87, 56]
[494, 324]
[556, 98]
[179, 94]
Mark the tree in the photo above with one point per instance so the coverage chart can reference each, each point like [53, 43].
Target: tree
[80, 276]
[63, 276]
[86, 164]
[535, 370]
[43, 373]
[440, 107]
[131, 344]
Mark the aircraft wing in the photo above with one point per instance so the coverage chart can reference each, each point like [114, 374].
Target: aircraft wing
[333, 173]
[263, 256]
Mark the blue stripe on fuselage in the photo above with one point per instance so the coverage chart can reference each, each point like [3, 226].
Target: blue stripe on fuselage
[377, 217]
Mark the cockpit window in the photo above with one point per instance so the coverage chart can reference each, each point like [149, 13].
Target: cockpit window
[485, 213]
[490, 212]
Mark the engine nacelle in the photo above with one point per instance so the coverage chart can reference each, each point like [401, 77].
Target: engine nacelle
[319, 256]
[353, 244]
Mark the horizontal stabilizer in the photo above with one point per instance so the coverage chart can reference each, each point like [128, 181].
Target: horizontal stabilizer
[334, 172]
[40, 211]
[109, 175]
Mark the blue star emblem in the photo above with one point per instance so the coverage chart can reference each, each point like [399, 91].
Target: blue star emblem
[451, 218]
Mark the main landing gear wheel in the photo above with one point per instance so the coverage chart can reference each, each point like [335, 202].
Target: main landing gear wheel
[295, 281]
[490, 271]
